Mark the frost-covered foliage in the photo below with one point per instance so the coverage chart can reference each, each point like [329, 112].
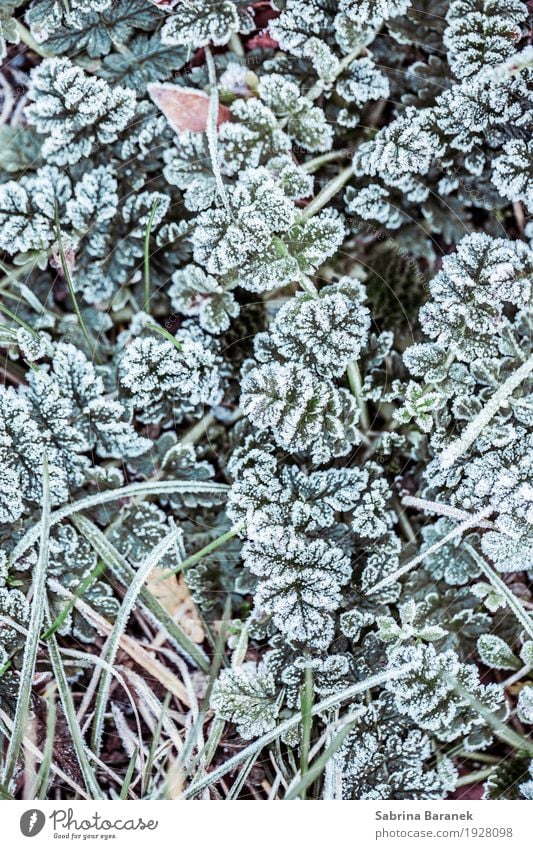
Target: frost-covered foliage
[267, 277]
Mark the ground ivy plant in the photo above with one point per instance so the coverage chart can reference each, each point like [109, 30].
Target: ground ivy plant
[266, 502]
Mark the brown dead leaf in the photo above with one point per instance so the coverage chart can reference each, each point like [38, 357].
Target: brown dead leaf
[174, 595]
[185, 108]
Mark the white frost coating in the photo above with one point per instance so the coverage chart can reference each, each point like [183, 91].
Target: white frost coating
[459, 447]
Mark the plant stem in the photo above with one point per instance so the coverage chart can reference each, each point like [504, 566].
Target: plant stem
[70, 287]
[356, 385]
[313, 165]
[135, 489]
[28, 39]
[459, 446]
[168, 336]
[18, 320]
[317, 767]
[125, 573]
[70, 714]
[147, 296]
[207, 549]
[501, 730]
[211, 129]
[236, 45]
[119, 627]
[306, 705]
[456, 532]
[85, 584]
[443, 510]
[329, 191]
[513, 602]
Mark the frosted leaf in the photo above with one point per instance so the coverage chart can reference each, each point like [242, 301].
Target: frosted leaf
[302, 411]
[301, 582]
[75, 110]
[370, 203]
[426, 693]
[524, 707]
[513, 171]
[495, 653]
[207, 21]
[246, 696]
[373, 12]
[195, 293]
[469, 294]
[33, 346]
[27, 209]
[325, 333]
[268, 493]
[153, 371]
[251, 138]
[304, 122]
[362, 82]
[95, 199]
[386, 757]
[481, 33]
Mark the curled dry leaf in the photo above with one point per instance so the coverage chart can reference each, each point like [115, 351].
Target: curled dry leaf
[185, 108]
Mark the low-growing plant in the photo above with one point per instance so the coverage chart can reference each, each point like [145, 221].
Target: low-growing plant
[265, 422]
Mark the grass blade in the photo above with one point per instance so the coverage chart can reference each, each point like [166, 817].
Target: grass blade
[331, 701]
[129, 775]
[318, 766]
[70, 713]
[122, 570]
[120, 626]
[34, 629]
[306, 705]
[133, 490]
[147, 296]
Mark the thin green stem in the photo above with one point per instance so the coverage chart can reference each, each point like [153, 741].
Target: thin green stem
[70, 713]
[475, 777]
[168, 336]
[131, 491]
[119, 627]
[207, 549]
[318, 766]
[125, 573]
[147, 295]
[456, 532]
[313, 165]
[501, 730]
[459, 446]
[18, 320]
[85, 584]
[28, 39]
[42, 779]
[211, 129]
[70, 287]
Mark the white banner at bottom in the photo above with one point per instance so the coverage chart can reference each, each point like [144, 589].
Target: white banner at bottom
[324, 825]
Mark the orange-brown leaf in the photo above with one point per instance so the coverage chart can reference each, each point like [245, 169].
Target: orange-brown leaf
[185, 108]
